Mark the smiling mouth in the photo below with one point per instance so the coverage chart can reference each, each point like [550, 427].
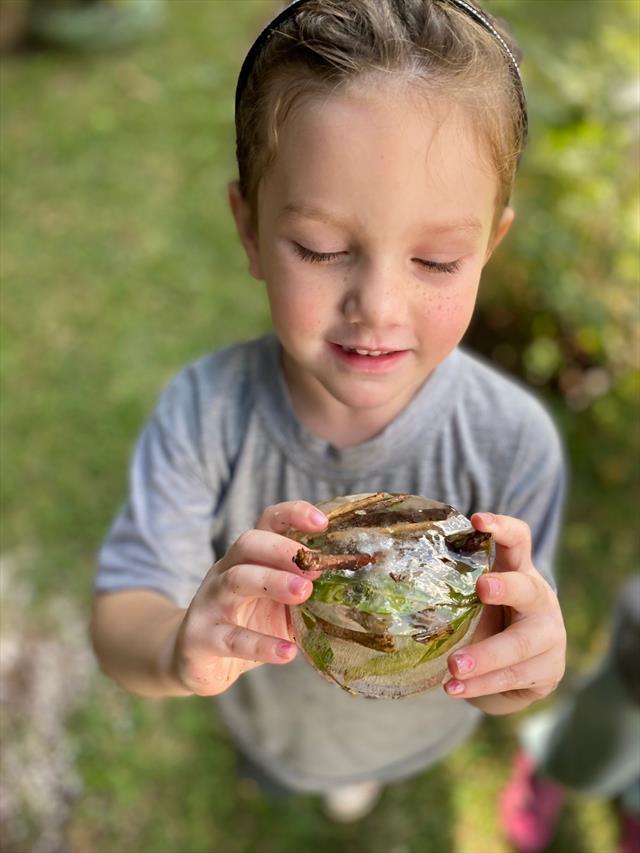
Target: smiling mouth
[374, 353]
[367, 361]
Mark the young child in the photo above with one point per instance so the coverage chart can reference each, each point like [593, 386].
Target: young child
[377, 144]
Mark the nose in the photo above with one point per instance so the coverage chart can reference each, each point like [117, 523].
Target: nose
[375, 296]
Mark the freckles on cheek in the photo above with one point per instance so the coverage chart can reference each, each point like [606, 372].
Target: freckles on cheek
[448, 314]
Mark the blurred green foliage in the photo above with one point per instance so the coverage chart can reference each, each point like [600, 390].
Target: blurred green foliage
[559, 305]
[560, 308]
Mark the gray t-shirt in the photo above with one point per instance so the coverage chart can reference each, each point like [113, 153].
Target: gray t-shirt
[224, 443]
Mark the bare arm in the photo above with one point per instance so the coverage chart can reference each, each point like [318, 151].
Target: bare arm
[134, 634]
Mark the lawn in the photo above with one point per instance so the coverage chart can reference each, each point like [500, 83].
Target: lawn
[120, 264]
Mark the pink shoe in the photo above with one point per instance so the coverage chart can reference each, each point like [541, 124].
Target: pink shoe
[629, 833]
[530, 806]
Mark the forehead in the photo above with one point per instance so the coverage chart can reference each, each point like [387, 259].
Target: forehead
[386, 158]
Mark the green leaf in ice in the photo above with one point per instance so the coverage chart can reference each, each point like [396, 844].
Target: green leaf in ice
[459, 599]
[313, 541]
[307, 618]
[440, 645]
[413, 654]
[315, 644]
[399, 661]
[379, 595]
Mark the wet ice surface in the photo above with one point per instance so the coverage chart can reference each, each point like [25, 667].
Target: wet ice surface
[387, 629]
[426, 563]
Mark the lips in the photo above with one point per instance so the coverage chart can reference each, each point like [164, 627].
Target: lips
[369, 352]
[366, 359]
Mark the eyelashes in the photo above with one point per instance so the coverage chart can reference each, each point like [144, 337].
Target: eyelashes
[315, 257]
[326, 257]
[434, 266]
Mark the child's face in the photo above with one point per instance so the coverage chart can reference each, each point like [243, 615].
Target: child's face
[374, 226]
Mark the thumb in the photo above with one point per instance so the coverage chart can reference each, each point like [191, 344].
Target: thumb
[300, 515]
[513, 541]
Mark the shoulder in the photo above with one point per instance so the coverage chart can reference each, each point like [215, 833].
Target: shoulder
[503, 411]
[521, 452]
[206, 405]
[512, 445]
[222, 378]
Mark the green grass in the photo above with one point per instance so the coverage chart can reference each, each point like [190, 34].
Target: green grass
[119, 256]
[120, 264]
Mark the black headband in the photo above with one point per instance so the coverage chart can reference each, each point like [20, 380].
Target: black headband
[290, 10]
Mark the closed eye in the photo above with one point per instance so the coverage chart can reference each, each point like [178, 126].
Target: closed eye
[325, 257]
[315, 257]
[434, 266]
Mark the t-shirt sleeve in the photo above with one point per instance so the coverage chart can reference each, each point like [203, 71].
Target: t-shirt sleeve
[161, 539]
[536, 487]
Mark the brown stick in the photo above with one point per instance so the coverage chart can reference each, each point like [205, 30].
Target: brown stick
[359, 509]
[435, 633]
[314, 561]
[377, 642]
[344, 509]
[467, 542]
[407, 528]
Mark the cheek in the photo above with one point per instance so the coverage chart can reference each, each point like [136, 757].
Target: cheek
[298, 307]
[448, 313]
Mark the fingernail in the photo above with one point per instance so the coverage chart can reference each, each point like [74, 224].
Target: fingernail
[299, 586]
[284, 649]
[318, 517]
[495, 587]
[464, 663]
[454, 687]
[487, 517]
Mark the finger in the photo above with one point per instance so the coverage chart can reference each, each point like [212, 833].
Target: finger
[516, 644]
[492, 621]
[300, 515]
[512, 537]
[242, 581]
[526, 593]
[234, 641]
[540, 675]
[265, 549]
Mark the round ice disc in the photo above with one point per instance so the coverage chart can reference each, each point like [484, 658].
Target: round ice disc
[396, 595]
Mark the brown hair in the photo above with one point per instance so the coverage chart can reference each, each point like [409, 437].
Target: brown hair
[329, 44]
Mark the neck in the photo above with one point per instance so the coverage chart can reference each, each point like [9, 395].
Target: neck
[343, 427]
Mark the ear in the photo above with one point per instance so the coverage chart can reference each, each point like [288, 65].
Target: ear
[248, 236]
[506, 220]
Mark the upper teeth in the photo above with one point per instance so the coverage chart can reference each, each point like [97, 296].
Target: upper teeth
[363, 351]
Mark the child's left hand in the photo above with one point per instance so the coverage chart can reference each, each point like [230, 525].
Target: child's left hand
[518, 651]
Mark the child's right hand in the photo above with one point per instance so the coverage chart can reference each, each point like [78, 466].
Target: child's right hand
[238, 618]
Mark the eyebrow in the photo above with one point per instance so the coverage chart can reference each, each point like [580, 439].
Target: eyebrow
[468, 223]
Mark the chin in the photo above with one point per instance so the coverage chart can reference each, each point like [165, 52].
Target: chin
[368, 398]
